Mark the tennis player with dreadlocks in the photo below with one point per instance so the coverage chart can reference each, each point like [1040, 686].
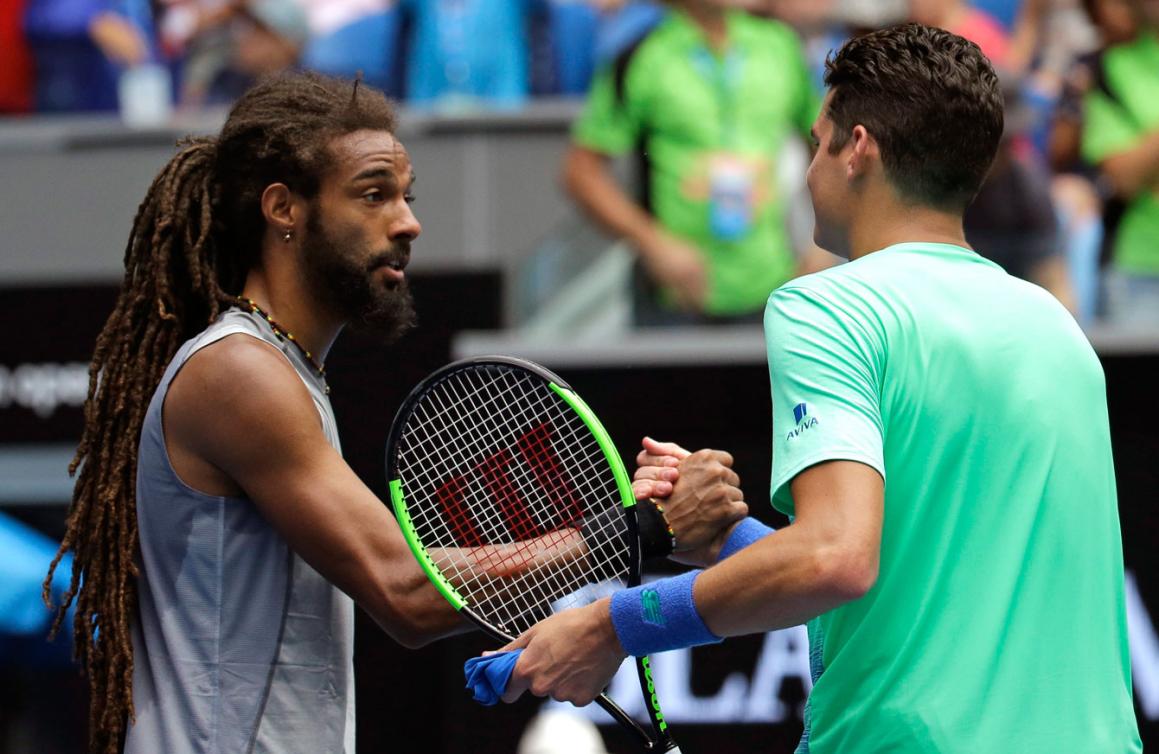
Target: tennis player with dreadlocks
[216, 527]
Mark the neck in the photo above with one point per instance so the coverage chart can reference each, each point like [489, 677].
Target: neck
[709, 16]
[283, 295]
[878, 227]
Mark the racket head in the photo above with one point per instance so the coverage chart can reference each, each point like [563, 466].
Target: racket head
[510, 493]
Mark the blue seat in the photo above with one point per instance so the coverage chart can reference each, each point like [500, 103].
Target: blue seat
[370, 45]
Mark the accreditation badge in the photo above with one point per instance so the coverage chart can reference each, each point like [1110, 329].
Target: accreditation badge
[731, 196]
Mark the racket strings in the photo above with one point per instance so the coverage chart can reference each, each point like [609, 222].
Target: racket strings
[504, 490]
[493, 460]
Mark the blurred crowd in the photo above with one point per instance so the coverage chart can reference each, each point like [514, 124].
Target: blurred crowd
[1072, 202]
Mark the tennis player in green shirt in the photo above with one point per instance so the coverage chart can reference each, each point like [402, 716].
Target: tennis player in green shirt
[940, 442]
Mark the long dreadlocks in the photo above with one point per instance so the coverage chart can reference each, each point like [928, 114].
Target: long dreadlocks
[196, 235]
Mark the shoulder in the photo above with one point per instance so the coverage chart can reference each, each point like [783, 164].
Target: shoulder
[650, 47]
[841, 303]
[634, 56]
[239, 363]
[238, 386]
[1119, 65]
[805, 303]
[830, 286]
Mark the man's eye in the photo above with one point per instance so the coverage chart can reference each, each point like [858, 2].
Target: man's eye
[409, 197]
[373, 196]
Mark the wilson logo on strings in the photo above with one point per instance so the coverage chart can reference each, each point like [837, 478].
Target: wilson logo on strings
[533, 459]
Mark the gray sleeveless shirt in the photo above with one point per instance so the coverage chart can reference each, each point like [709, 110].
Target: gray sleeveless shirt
[239, 646]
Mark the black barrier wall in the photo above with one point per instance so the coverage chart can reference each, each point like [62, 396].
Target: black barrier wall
[741, 696]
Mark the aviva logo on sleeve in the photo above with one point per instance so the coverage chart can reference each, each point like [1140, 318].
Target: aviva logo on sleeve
[804, 421]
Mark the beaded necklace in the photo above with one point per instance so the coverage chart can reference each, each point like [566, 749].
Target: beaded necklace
[284, 334]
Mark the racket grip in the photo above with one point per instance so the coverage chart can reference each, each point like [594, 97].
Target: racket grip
[646, 741]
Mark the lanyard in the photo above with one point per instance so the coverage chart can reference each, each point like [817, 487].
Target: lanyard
[724, 75]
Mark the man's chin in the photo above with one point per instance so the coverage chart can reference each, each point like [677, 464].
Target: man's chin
[388, 318]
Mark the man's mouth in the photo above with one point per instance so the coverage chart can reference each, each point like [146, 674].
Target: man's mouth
[392, 266]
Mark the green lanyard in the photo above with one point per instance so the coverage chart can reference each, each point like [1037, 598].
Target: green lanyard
[724, 75]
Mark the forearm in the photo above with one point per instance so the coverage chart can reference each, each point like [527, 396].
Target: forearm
[1136, 169]
[396, 593]
[782, 580]
[589, 181]
[412, 610]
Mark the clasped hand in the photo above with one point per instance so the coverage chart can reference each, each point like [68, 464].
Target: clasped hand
[571, 656]
[700, 493]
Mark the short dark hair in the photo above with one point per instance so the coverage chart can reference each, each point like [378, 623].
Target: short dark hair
[932, 102]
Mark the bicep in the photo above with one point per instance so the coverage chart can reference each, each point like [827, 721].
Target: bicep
[264, 432]
[327, 515]
[843, 502]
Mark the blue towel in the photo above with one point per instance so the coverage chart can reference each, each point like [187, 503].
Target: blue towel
[487, 676]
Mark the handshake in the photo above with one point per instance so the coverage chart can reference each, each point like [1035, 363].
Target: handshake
[698, 494]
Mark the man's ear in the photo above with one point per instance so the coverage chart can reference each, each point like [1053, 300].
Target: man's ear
[282, 209]
[864, 153]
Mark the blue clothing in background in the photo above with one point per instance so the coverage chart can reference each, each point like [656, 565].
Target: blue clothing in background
[72, 74]
[572, 28]
[371, 45]
[467, 52]
[1004, 11]
[620, 29]
[25, 555]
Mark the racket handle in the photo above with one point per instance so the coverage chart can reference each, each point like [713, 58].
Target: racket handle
[649, 742]
[623, 719]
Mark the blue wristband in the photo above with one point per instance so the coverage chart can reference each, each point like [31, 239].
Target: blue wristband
[749, 530]
[659, 616]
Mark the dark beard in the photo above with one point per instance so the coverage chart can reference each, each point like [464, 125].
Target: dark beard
[346, 288]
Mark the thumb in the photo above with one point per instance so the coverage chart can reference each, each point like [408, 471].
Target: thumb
[657, 448]
[519, 681]
[519, 642]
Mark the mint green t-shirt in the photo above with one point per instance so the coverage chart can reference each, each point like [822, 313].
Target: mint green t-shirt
[1117, 116]
[997, 622]
[711, 128]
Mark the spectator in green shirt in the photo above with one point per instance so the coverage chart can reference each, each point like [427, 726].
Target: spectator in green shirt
[708, 99]
[1121, 136]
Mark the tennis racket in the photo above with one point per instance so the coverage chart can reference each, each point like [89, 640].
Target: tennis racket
[516, 504]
